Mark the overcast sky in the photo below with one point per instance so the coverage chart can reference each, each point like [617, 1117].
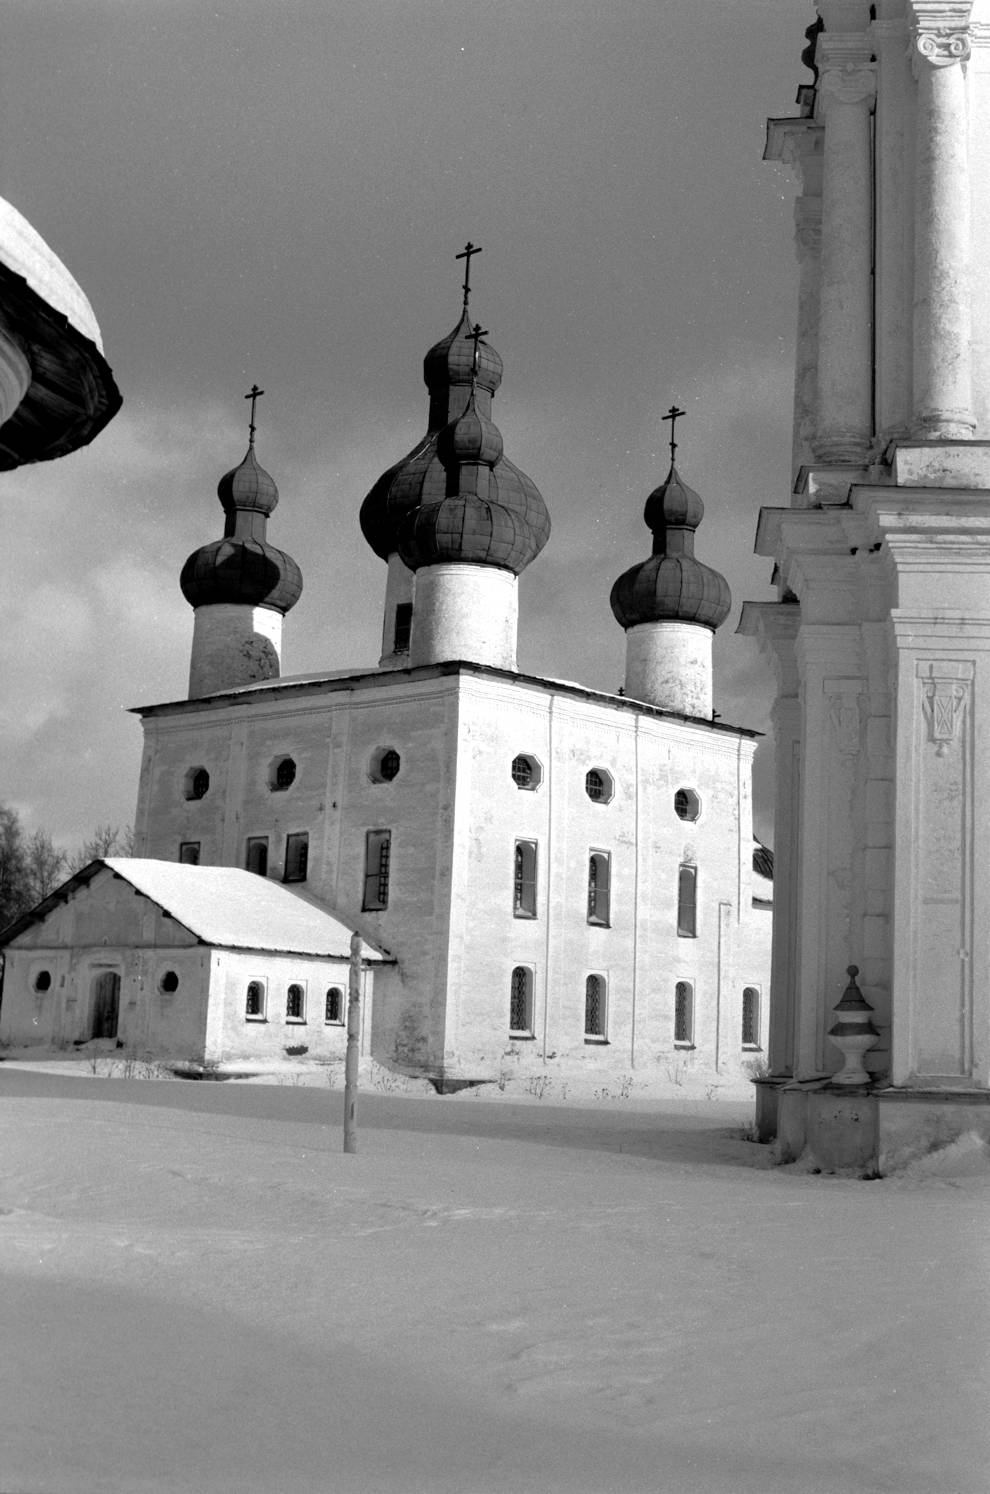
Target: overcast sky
[275, 192]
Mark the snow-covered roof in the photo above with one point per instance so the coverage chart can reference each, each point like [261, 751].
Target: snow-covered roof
[237, 909]
[222, 906]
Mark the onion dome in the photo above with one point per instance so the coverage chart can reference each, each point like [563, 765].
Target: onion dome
[243, 568]
[460, 457]
[490, 513]
[672, 586]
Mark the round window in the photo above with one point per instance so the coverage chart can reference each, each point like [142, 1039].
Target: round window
[385, 765]
[169, 982]
[282, 773]
[526, 772]
[598, 785]
[687, 805]
[197, 783]
[43, 980]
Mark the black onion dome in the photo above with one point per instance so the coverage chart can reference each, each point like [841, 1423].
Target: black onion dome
[672, 586]
[248, 486]
[243, 568]
[461, 437]
[451, 360]
[489, 512]
[465, 528]
[247, 572]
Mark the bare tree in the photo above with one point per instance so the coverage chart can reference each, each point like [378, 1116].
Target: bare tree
[106, 840]
[13, 867]
[45, 865]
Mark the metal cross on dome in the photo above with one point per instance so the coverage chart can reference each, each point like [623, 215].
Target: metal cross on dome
[254, 395]
[475, 335]
[672, 415]
[466, 254]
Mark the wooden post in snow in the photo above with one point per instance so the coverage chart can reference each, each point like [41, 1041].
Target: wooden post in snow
[353, 1045]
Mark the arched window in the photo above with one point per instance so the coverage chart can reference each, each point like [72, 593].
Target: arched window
[687, 805]
[594, 1006]
[43, 980]
[254, 1006]
[526, 772]
[334, 1006]
[599, 888]
[684, 1014]
[687, 901]
[521, 1002]
[281, 774]
[524, 880]
[598, 785]
[751, 1017]
[295, 1004]
[197, 783]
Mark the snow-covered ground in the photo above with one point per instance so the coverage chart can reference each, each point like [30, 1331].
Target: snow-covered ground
[201, 1292]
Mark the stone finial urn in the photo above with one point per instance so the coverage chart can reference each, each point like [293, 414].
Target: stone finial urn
[853, 1033]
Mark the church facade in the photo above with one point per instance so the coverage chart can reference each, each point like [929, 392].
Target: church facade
[554, 879]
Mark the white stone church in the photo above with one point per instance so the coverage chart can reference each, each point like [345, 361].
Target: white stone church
[546, 878]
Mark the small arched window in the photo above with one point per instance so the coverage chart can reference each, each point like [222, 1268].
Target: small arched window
[594, 1006]
[687, 805]
[281, 774]
[524, 879]
[521, 1002]
[197, 783]
[334, 1005]
[43, 980]
[751, 1017]
[599, 888]
[254, 1007]
[295, 1004]
[684, 1014]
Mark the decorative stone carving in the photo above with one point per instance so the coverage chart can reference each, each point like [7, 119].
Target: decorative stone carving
[843, 713]
[851, 83]
[944, 703]
[853, 1033]
[942, 48]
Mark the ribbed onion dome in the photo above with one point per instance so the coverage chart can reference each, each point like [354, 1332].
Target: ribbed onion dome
[672, 586]
[490, 512]
[243, 568]
[461, 438]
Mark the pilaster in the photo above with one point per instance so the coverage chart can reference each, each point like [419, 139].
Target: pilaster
[847, 86]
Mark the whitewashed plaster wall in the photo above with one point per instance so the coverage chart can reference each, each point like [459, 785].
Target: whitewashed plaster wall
[454, 814]
[232, 1035]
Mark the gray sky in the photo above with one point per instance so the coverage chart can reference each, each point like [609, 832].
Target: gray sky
[275, 192]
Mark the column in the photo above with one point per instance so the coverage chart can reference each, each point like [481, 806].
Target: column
[943, 393]
[845, 349]
[798, 143]
[894, 232]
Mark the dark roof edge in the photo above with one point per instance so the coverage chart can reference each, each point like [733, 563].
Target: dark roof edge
[366, 678]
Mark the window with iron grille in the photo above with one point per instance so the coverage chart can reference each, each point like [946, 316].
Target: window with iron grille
[189, 852]
[523, 772]
[377, 866]
[256, 855]
[687, 902]
[295, 1004]
[334, 1010]
[751, 1017]
[254, 1006]
[599, 887]
[524, 879]
[296, 857]
[594, 1006]
[403, 628]
[684, 1013]
[598, 785]
[521, 1001]
[390, 765]
[282, 774]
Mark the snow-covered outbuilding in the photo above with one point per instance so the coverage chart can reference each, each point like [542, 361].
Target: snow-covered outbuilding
[207, 964]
